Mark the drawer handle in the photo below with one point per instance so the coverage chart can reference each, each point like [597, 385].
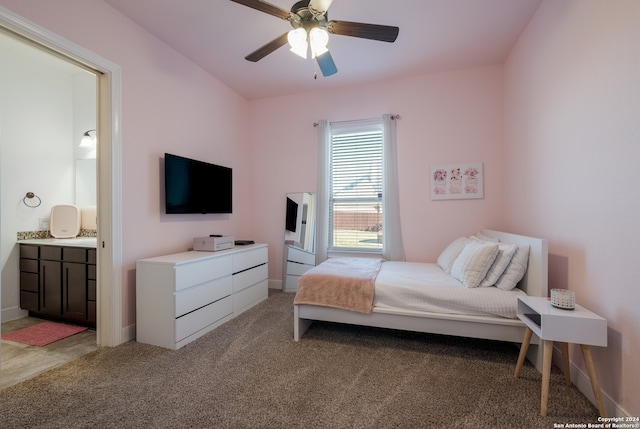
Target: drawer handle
[250, 268]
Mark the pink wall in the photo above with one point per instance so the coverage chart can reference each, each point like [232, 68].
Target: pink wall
[171, 105]
[568, 107]
[573, 147]
[168, 105]
[445, 118]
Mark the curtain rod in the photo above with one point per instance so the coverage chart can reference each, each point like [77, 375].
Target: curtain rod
[315, 124]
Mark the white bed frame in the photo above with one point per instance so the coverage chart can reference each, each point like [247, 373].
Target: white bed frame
[534, 283]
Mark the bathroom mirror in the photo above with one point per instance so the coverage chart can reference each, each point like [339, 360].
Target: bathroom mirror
[85, 182]
[299, 237]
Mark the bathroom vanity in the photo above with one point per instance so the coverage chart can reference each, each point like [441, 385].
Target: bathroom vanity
[58, 279]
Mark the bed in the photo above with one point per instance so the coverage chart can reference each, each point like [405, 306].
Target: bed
[405, 314]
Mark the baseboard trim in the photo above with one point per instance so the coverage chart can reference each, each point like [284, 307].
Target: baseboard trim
[128, 333]
[275, 284]
[12, 313]
[583, 384]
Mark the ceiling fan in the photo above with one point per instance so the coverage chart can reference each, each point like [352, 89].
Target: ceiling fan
[310, 23]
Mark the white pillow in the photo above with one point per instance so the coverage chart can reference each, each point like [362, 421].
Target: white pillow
[474, 261]
[505, 254]
[515, 270]
[449, 255]
[481, 236]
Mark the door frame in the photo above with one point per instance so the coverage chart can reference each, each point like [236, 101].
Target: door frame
[109, 162]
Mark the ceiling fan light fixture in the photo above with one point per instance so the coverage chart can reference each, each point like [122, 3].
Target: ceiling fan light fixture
[298, 41]
[318, 39]
[310, 16]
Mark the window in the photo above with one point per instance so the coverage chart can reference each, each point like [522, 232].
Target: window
[358, 199]
[355, 187]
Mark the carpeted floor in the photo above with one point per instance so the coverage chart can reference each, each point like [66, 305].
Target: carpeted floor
[249, 373]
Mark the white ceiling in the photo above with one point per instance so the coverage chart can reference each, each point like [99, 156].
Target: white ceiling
[435, 35]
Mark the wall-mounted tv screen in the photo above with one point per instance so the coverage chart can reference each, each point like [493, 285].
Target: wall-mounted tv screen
[193, 186]
[292, 215]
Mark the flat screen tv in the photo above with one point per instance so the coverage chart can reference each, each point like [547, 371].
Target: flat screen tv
[292, 215]
[193, 186]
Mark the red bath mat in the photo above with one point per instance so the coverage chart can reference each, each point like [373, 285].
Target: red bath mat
[43, 333]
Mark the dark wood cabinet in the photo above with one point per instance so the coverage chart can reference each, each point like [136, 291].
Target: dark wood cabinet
[30, 278]
[74, 291]
[91, 287]
[59, 282]
[50, 287]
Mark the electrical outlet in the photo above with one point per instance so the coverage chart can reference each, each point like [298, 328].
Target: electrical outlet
[44, 223]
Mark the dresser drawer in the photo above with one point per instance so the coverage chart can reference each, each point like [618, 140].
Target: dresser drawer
[91, 256]
[244, 279]
[250, 296]
[29, 265]
[298, 255]
[29, 301]
[29, 282]
[193, 322]
[291, 283]
[296, 269]
[31, 252]
[249, 259]
[51, 253]
[194, 273]
[91, 272]
[74, 254]
[198, 296]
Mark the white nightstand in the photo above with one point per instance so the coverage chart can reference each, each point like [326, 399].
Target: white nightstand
[578, 326]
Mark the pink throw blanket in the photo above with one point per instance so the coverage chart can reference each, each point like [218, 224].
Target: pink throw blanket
[345, 283]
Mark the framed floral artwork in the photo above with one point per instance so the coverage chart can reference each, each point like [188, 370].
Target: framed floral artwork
[457, 181]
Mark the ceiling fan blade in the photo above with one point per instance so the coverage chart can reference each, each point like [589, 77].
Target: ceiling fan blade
[320, 6]
[265, 7]
[265, 50]
[327, 66]
[383, 33]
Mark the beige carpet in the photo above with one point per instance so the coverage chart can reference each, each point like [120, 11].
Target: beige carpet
[249, 373]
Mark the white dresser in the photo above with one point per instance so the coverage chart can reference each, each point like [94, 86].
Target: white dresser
[296, 262]
[183, 296]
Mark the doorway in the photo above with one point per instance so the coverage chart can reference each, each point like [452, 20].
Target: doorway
[109, 224]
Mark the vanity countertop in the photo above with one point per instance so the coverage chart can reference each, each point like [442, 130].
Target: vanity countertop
[67, 242]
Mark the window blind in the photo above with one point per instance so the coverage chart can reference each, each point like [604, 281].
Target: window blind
[355, 200]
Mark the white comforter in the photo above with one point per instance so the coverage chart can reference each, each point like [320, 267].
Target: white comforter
[426, 287]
